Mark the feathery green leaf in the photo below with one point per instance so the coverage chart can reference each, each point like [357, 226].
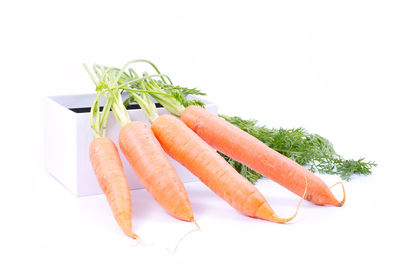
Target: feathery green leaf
[310, 150]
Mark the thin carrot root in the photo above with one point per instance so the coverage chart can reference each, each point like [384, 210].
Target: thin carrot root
[137, 239]
[184, 236]
[344, 193]
[196, 224]
[285, 220]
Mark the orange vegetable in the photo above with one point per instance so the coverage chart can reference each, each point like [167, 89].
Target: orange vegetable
[107, 165]
[248, 150]
[112, 180]
[152, 167]
[191, 151]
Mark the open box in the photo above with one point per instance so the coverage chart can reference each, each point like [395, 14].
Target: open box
[68, 135]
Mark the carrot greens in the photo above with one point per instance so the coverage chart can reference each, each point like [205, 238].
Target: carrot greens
[98, 120]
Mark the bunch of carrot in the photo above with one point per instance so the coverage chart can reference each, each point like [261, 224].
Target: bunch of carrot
[189, 135]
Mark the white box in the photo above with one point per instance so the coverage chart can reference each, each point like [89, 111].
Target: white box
[67, 138]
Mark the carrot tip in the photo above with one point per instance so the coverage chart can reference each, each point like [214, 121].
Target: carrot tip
[180, 240]
[136, 238]
[344, 194]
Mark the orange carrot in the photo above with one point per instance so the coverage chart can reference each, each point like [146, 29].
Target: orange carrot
[107, 164]
[152, 167]
[112, 180]
[191, 151]
[248, 150]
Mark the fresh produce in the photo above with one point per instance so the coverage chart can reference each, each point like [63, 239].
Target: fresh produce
[197, 156]
[145, 155]
[108, 168]
[246, 151]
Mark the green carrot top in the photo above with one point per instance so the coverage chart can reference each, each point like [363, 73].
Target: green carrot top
[99, 116]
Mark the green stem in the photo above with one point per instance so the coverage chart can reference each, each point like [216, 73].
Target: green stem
[145, 103]
[119, 110]
[98, 120]
[148, 84]
[151, 64]
[113, 80]
[137, 79]
[105, 115]
[166, 100]
[141, 96]
[90, 74]
[94, 114]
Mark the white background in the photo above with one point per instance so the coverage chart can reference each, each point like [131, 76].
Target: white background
[329, 66]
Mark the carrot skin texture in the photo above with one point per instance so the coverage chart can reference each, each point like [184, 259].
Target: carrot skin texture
[107, 166]
[151, 165]
[197, 156]
[250, 151]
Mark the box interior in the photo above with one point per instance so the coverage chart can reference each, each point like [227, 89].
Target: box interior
[82, 103]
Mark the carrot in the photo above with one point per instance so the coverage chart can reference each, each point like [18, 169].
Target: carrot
[108, 169]
[113, 182]
[191, 151]
[146, 156]
[248, 150]
[158, 176]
